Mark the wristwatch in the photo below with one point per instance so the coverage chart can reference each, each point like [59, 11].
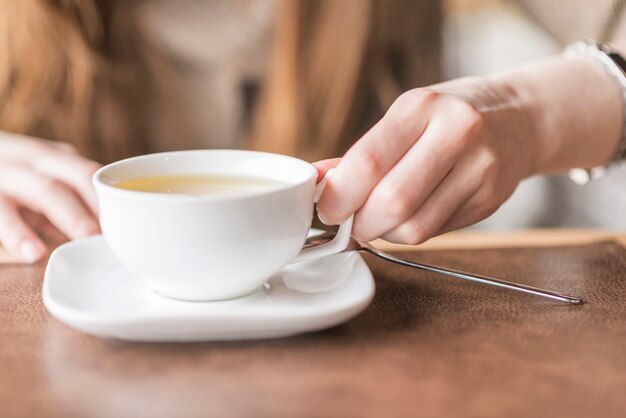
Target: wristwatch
[615, 65]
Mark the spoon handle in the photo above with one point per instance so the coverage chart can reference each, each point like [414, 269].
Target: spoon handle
[476, 278]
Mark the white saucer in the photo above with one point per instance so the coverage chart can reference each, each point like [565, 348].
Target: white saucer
[87, 288]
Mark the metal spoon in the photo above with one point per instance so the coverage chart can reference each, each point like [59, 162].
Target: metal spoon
[355, 245]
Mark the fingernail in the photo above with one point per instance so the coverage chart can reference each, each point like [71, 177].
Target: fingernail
[89, 228]
[321, 218]
[30, 251]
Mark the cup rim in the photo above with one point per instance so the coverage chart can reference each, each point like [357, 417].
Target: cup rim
[100, 184]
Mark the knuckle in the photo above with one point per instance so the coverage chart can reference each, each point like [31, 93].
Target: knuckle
[49, 186]
[369, 163]
[486, 209]
[413, 232]
[490, 165]
[411, 109]
[425, 97]
[472, 122]
[491, 200]
[469, 113]
[409, 102]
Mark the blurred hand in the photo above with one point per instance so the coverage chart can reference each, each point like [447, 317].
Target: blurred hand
[45, 194]
[442, 158]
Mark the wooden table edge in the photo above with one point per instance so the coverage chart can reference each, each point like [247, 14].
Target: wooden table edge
[544, 237]
[468, 239]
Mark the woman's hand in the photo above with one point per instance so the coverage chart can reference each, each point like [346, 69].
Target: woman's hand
[45, 194]
[441, 158]
[448, 156]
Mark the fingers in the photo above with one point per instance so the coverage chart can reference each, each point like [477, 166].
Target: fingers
[457, 188]
[324, 165]
[50, 197]
[43, 227]
[409, 183]
[369, 159]
[433, 163]
[71, 169]
[496, 186]
[473, 190]
[54, 159]
[474, 210]
[16, 235]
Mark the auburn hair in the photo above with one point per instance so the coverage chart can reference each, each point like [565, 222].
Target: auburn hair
[83, 72]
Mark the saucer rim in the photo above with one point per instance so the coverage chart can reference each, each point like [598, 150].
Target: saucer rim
[86, 321]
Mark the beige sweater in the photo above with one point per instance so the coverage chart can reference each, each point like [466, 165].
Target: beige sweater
[572, 20]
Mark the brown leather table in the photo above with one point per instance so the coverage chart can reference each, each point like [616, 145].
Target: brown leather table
[427, 346]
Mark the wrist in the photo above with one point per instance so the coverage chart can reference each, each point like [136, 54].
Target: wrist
[574, 109]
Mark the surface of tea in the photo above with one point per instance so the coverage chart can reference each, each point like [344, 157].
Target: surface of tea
[200, 184]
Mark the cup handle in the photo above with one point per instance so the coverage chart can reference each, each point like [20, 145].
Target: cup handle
[337, 244]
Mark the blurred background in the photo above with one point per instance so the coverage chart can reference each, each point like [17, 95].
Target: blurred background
[301, 77]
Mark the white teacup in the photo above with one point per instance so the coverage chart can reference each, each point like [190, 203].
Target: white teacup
[210, 247]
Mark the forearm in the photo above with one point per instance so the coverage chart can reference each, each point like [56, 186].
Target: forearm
[574, 110]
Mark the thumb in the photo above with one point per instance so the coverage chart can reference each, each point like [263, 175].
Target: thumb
[324, 165]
